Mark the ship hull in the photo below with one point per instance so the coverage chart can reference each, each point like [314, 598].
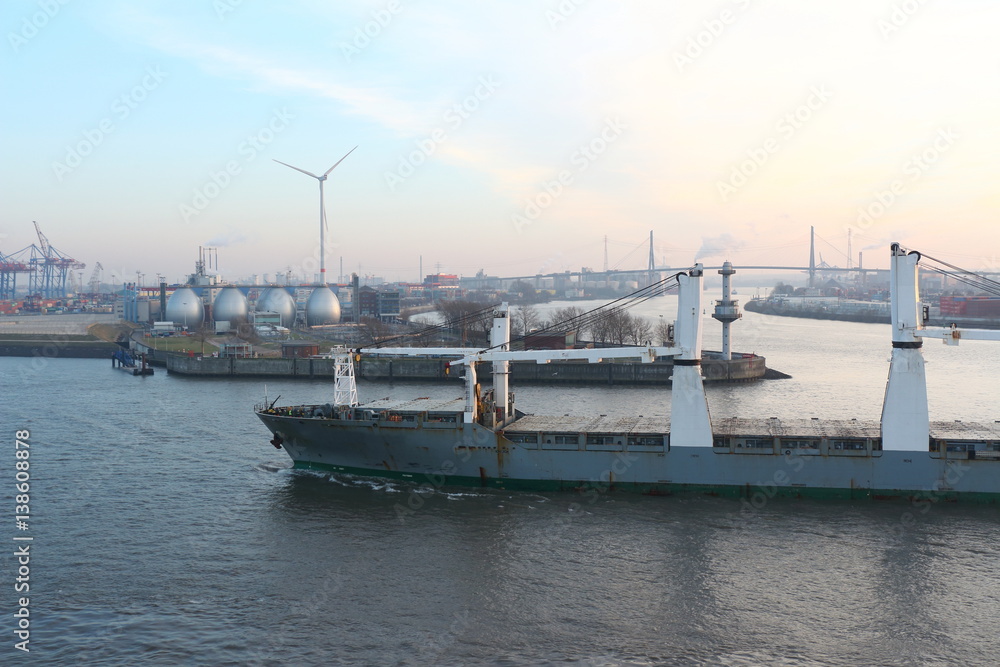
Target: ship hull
[471, 455]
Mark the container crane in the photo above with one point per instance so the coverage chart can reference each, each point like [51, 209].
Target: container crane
[49, 268]
[95, 279]
[10, 266]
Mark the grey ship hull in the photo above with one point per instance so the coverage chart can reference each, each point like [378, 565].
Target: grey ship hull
[845, 461]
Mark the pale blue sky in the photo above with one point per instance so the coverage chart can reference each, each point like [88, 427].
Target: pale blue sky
[728, 125]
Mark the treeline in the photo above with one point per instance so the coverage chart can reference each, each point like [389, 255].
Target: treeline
[610, 327]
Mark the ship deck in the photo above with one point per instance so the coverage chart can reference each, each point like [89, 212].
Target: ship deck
[749, 426]
[813, 428]
[797, 428]
[959, 430]
[420, 404]
[602, 424]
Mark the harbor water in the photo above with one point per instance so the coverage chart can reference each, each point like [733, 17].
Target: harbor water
[167, 531]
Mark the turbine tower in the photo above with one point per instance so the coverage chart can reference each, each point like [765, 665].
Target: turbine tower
[322, 211]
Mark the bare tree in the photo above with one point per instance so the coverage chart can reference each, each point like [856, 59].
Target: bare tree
[600, 331]
[568, 319]
[203, 333]
[236, 324]
[663, 331]
[611, 326]
[525, 319]
[465, 316]
[373, 329]
[621, 326]
[246, 331]
[641, 331]
[617, 326]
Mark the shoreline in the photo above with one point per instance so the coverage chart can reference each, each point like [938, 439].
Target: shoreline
[764, 307]
[56, 347]
[740, 369]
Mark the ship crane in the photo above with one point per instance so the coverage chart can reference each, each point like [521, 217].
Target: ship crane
[905, 415]
[690, 421]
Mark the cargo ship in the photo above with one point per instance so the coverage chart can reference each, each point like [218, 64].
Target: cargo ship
[483, 440]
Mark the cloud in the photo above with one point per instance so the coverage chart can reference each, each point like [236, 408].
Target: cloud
[368, 101]
[718, 245]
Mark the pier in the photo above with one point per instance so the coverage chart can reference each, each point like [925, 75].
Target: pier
[122, 360]
[742, 368]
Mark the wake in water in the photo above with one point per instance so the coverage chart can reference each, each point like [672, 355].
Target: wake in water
[380, 485]
[272, 466]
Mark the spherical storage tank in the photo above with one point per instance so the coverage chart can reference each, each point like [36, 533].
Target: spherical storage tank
[323, 307]
[230, 306]
[277, 300]
[184, 307]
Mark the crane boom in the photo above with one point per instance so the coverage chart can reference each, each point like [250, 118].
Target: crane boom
[95, 279]
[42, 240]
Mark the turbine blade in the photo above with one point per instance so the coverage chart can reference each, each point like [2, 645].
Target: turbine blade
[339, 161]
[309, 173]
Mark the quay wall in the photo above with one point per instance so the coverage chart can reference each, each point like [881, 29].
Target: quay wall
[436, 369]
[55, 348]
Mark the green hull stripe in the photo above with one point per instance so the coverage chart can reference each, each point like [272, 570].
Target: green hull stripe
[753, 493]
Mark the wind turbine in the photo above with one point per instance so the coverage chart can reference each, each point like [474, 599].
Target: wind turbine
[322, 211]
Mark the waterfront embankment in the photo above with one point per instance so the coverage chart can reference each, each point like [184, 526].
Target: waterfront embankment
[437, 369]
[850, 312]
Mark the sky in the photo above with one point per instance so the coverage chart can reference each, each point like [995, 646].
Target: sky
[512, 137]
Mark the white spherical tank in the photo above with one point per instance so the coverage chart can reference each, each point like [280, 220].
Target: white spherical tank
[277, 300]
[184, 307]
[230, 306]
[323, 307]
